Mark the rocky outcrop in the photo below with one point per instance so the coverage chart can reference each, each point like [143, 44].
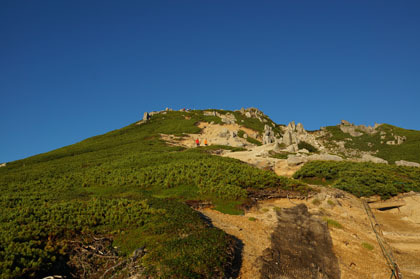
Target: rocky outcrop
[2, 165]
[146, 116]
[357, 131]
[228, 118]
[373, 159]
[254, 113]
[290, 135]
[407, 164]
[397, 140]
[268, 136]
[294, 134]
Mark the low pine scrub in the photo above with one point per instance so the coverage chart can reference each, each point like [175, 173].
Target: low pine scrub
[363, 179]
[128, 186]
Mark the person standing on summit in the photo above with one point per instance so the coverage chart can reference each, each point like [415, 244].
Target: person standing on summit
[197, 142]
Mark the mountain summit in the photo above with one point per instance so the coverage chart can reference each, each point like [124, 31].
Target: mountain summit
[132, 203]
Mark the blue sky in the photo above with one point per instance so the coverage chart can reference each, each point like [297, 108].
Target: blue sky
[70, 70]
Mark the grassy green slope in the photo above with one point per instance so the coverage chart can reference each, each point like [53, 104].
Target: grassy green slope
[409, 150]
[127, 185]
[362, 179]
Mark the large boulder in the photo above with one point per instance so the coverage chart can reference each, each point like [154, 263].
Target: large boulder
[324, 157]
[407, 163]
[293, 160]
[373, 159]
[287, 138]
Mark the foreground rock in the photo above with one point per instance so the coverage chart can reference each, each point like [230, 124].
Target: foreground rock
[407, 163]
[301, 248]
[294, 160]
[373, 159]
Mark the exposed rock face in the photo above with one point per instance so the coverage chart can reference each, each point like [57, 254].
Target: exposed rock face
[224, 133]
[292, 148]
[300, 129]
[294, 134]
[357, 131]
[407, 163]
[210, 113]
[290, 135]
[228, 118]
[301, 248]
[397, 140]
[146, 116]
[268, 136]
[255, 113]
[373, 159]
[2, 165]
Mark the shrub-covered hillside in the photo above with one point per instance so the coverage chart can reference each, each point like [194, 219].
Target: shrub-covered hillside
[362, 179]
[125, 189]
[409, 150]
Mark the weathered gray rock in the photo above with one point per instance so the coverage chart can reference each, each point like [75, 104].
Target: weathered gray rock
[287, 138]
[350, 130]
[300, 129]
[292, 148]
[268, 136]
[248, 114]
[305, 151]
[293, 160]
[407, 163]
[228, 118]
[224, 133]
[209, 113]
[146, 116]
[324, 157]
[373, 159]
[400, 140]
[291, 126]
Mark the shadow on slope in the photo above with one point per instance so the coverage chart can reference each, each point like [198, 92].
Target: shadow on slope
[301, 248]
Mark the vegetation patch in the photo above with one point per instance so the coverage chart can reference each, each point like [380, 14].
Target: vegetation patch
[333, 223]
[279, 155]
[408, 150]
[307, 146]
[367, 246]
[129, 186]
[364, 179]
[316, 202]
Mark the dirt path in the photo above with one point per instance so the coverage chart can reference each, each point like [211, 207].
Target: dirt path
[253, 229]
[349, 242]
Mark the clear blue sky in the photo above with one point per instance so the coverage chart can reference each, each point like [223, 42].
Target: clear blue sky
[70, 70]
